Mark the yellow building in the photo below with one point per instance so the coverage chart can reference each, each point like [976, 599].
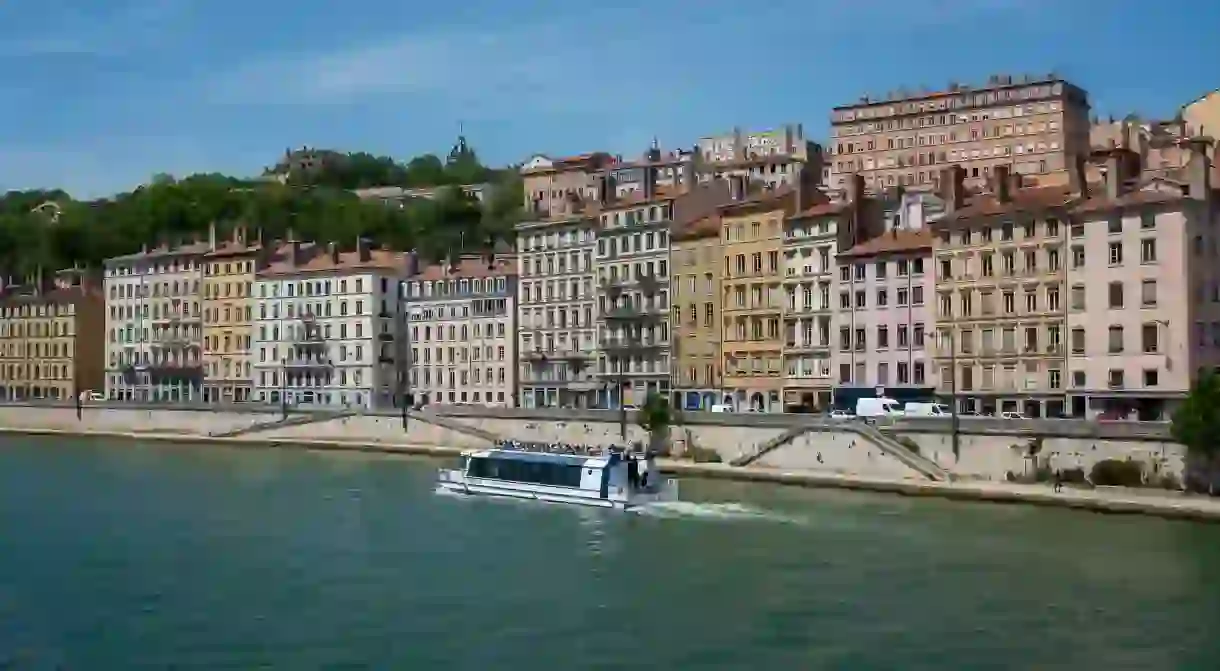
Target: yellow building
[51, 344]
[228, 278]
[752, 298]
[695, 264]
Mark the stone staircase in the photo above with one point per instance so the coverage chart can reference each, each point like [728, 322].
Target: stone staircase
[291, 420]
[893, 447]
[454, 425]
[770, 445]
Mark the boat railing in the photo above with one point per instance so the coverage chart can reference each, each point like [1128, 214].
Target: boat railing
[447, 475]
[552, 448]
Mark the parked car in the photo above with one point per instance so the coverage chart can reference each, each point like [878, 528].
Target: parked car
[880, 406]
[840, 414]
[926, 410]
[1012, 415]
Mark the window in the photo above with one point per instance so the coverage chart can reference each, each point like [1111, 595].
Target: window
[1148, 293]
[1116, 253]
[1149, 336]
[1116, 224]
[1116, 295]
[1116, 339]
[1148, 250]
[1077, 256]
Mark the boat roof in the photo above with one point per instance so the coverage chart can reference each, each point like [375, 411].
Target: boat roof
[547, 457]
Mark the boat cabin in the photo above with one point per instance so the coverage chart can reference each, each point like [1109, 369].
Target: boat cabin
[611, 476]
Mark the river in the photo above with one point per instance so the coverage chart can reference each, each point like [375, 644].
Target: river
[128, 555]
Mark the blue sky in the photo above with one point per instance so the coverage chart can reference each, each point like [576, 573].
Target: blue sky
[98, 95]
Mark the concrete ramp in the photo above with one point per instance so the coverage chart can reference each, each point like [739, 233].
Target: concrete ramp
[292, 420]
[770, 445]
[915, 461]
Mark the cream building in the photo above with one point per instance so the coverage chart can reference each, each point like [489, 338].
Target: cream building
[461, 323]
[810, 247]
[1032, 125]
[154, 324]
[326, 326]
[696, 267]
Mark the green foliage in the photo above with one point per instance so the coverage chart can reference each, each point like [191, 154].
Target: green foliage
[703, 455]
[1196, 424]
[655, 416]
[909, 443]
[1117, 473]
[318, 206]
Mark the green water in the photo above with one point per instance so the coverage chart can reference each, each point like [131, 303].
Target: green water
[129, 556]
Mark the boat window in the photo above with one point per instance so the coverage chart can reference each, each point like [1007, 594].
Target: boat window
[519, 470]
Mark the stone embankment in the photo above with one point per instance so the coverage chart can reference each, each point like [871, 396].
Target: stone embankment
[784, 449]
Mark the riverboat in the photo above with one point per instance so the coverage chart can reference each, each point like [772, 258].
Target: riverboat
[613, 480]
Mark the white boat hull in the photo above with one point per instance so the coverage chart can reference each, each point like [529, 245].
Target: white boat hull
[456, 482]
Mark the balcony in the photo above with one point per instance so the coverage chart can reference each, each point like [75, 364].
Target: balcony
[307, 363]
[539, 354]
[631, 345]
[385, 337]
[168, 372]
[634, 313]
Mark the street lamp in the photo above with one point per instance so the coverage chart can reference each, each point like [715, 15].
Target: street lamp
[954, 426]
[284, 387]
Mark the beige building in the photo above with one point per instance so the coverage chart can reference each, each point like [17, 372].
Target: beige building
[1202, 119]
[1000, 264]
[1143, 289]
[1031, 125]
[772, 157]
[228, 316]
[810, 247]
[50, 344]
[696, 270]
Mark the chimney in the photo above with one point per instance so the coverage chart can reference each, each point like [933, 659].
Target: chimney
[1001, 183]
[650, 182]
[1198, 172]
[855, 188]
[603, 188]
[212, 236]
[239, 234]
[1078, 177]
[739, 148]
[412, 260]
[1114, 176]
[737, 187]
[332, 250]
[688, 175]
[362, 248]
[294, 252]
[952, 188]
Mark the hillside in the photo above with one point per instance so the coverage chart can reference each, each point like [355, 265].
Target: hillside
[316, 204]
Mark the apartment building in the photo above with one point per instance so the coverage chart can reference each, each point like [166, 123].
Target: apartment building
[1033, 125]
[49, 338]
[810, 247]
[752, 290]
[1001, 259]
[695, 275]
[228, 316]
[154, 328]
[1143, 283]
[885, 287]
[772, 157]
[557, 299]
[632, 270]
[325, 325]
[461, 326]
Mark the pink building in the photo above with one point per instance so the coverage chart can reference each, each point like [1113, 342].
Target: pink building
[885, 286]
[1143, 277]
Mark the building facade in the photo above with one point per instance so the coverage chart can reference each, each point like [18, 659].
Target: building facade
[885, 288]
[695, 277]
[752, 299]
[228, 316]
[154, 327]
[771, 157]
[632, 275]
[461, 326]
[1000, 264]
[326, 324]
[556, 294]
[49, 338]
[1034, 126]
[1143, 290]
[810, 248]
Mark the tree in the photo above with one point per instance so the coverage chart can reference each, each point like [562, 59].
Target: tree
[655, 417]
[1196, 424]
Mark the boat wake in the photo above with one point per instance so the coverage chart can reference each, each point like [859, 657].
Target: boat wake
[715, 511]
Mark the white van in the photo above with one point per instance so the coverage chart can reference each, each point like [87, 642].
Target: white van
[722, 407]
[926, 410]
[879, 406]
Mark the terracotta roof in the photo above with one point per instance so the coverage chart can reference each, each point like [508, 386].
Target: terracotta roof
[1101, 202]
[231, 248]
[635, 199]
[705, 227]
[891, 242]
[313, 258]
[767, 159]
[166, 250]
[775, 197]
[469, 267]
[60, 295]
[1028, 199]
[823, 209]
